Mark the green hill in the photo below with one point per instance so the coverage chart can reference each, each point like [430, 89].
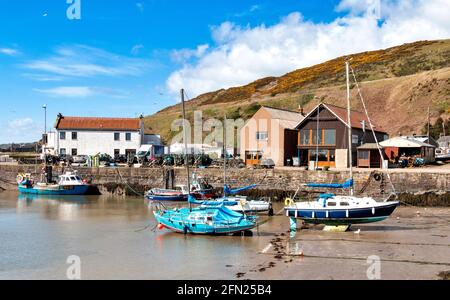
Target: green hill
[399, 84]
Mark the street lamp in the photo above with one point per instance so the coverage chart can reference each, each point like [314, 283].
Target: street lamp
[45, 118]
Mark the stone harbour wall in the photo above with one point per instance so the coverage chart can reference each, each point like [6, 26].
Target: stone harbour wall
[278, 183]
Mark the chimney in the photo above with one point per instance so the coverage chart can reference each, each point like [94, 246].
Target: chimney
[301, 110]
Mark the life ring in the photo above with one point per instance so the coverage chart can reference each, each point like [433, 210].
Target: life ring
[377, 177]
[289, 202]
[19, 178]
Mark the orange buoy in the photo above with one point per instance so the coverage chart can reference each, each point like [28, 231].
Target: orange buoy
[160, 226]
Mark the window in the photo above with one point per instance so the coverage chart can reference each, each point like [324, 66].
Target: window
[345, 204]
[262, 136]
[322, 137]
[304, 137]
[74, 136]
[62, 135]
[363, 154]
[116, 136]
[62, 151]
[116, 152]
[128, 136]
[331, 203]
[74, 152]
[323, 155]
[355, 139]
[330, 136]
[317, 138]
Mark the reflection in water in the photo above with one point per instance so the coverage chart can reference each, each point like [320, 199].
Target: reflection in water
[64, 208]
[38, 233]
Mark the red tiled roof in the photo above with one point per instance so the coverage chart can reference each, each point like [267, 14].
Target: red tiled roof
[356, 117]
[97, 123]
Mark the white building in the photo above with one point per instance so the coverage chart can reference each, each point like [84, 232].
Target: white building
[91, 136]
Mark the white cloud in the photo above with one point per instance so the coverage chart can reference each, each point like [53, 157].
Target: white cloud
[140, 6]
[85, 61]
[21, 124]
[183, 55]
[254, 8]
[21, 130]
[244, 54]
[42, 77]
[247, 12]
[81, 92]
[136, 49]
[68, 91]
[9, 51]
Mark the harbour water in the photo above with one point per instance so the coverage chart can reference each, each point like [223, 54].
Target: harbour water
[113, 238]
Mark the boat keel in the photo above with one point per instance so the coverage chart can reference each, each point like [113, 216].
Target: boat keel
[338, 228]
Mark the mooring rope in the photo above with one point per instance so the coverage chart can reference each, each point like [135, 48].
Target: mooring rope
[126, 183]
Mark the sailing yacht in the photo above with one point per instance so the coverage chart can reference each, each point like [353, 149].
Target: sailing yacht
[333, 210]
[215, 219]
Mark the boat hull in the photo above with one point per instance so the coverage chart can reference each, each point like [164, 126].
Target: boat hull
[174, 198]
[342, 216]
[60, 190]
[174, 222]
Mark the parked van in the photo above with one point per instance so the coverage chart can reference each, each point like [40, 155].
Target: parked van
[149, 152]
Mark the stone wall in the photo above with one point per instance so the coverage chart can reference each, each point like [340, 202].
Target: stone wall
[276, 183]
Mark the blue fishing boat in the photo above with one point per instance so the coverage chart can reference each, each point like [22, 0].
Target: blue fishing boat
[68, 184]
[214, 219]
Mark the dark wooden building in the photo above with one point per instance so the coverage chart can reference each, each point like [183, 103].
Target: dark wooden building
[329, 143]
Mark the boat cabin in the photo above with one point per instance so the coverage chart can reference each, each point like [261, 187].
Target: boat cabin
[70, 179]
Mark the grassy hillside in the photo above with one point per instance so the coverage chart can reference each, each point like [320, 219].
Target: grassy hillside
[399, 84]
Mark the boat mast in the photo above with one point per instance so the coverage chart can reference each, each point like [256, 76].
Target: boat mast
[224, 150]
[186, 157]
[349, 125]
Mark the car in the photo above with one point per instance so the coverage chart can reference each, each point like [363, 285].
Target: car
[80, 159]
[120, 159]
[65, 158]
[267, 163]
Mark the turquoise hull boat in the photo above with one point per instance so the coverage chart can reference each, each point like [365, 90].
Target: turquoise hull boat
[205, 220]
[55, 190]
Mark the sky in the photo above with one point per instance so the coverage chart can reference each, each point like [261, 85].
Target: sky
[131, 57]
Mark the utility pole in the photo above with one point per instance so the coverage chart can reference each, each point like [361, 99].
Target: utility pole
[429, 125]
[45, 118]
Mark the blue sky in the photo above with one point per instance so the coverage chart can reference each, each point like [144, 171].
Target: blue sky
[128, 57]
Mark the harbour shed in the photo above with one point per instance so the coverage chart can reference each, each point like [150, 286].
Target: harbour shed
[369, 156]
[402, 147]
